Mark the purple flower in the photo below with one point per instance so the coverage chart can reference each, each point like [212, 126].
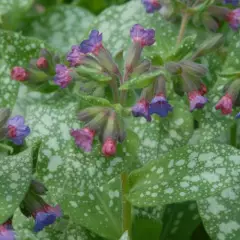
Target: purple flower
[141, 109]
[83, 138]
[75, 57]
[146, 37]
[93, 44]
[238, 115]
[6, 231]
[233, 2]
[62, 77]
[16, 130]
[197, 101]
[151, 5]
[46, 216]
[159, 105]
[233, 18]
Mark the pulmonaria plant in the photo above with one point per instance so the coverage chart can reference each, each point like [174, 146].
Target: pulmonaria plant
[133, 126]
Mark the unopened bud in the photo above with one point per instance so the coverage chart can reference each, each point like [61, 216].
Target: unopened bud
[173, 67]
[19, 74]
[42, 63]
[143, 67]
[109, 147]
[88, 114]
[38, 187]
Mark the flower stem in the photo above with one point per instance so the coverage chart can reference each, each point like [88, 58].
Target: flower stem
[183, 26]
[233, 135]
[126, 206]
[6, 148]
[114, 87]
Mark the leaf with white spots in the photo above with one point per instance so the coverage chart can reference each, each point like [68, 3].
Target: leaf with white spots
[75, 179]
[180, 220]
[164, 134]
[7, 6]
[18, 50]
[15, 178]
[220, 213]
[115, 24]
[8, 88]
[62, 26]
[189, 173]
[64, 228]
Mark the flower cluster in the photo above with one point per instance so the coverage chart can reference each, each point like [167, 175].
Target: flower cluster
[34, 206]
[13, 129]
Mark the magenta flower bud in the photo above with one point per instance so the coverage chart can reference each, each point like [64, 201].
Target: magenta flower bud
[225, 104]
[109, 147]
[233, 18]
[145, 37]
[62, 77]
[46, 216]
[42, 63]
[93, 44]
[151, 5]
[160, 106]
[203, 89]
[83, 138]
[75, 57]
[6, 231]
[17, 131]
[19, 74]
[197, 101]
[141, 109]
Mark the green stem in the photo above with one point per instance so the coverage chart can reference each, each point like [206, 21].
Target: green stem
[183, 26]
[126, 206]
[233, 135]
[114, 87]
[123, 93]
[6, 148]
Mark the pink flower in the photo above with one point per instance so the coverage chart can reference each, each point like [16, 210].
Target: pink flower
[19, 74]
[109, 147]
[225, 104]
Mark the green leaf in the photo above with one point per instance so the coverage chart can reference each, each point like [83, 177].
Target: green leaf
[220, 213]
[62, 26]
[15, 178]
[141, 81]
[180, 220]
[188, 173]
[115, 24]
[18, 50]
[184, 48]
[164, 134]
[7, 6]
[8, 88]
[76, 179]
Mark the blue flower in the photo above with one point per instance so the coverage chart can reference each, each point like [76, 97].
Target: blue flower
[146, 37]
[46, 216]
[151, 5]
[233, 2]
[16, 130]
[141, 109]
[62, 77]
[238, 115]
[93, 44]
[159, 105]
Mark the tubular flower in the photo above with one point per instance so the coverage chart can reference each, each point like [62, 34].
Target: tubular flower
[109, 147]
[141, 109]
[233, 18]
[75, 57]
[83, 138]
[197, 101]
[17, 131]
[19, 74]
[160, 106]
[62, 77]
[6, 231]
[151, 5]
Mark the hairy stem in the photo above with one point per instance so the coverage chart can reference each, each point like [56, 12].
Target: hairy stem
[126, 206]
[184, 23]
[123, 93]
[114, 87]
